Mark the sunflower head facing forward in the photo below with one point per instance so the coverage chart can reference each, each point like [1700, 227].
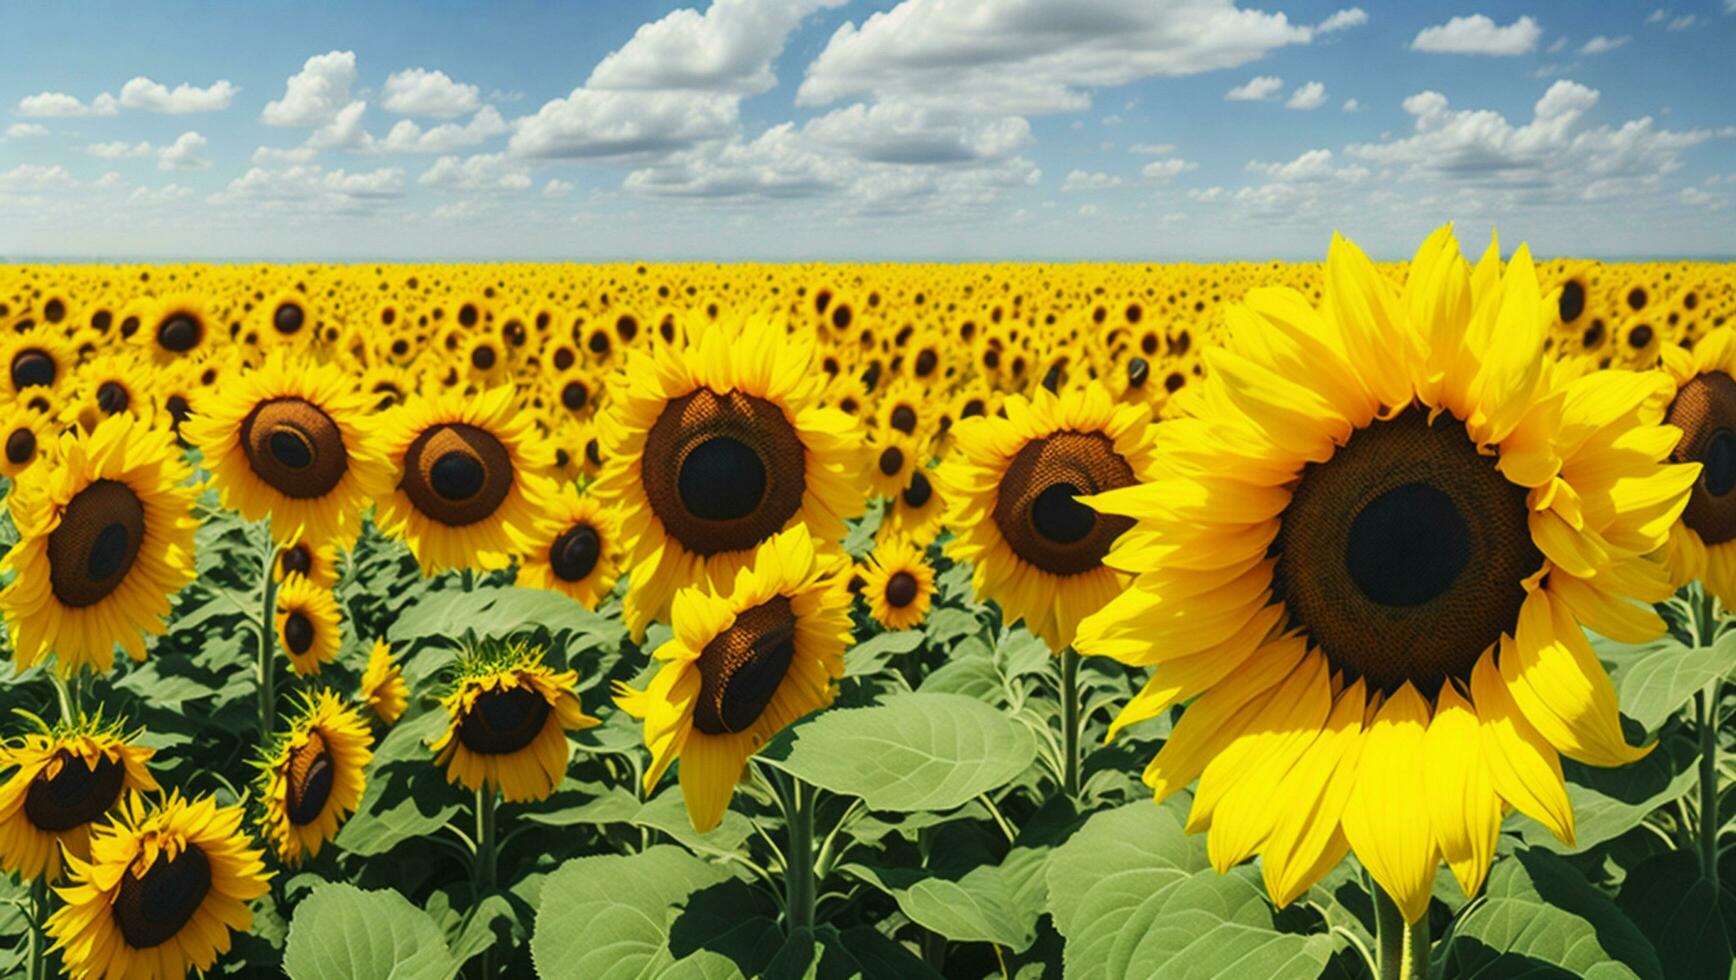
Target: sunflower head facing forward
[714, 448]
[105, 539]
[898, 583]
[65, 779]
[1381, 530]
[1015, 484]
[509, 715]
[572, 550]
[309, 624]
[311, 777]
[163, 889]
[741, 667]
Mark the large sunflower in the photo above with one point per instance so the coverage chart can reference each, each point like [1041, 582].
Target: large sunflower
[510, 715]
[311, 777]
[289, 440]
[572, 551]
[65, 779]
[1703, 543]
[898, 584]
[1368, 563]
[470, 473]
[309, 624]
[105, 538]
[713, 449]
[1014, 485]
[162, 891]
[741, 667]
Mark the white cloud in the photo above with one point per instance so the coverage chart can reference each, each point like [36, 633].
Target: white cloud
[308, 188]
[343, 131]
[143, 93]
[183, 153]
[20, 131]
[1085, 180]
[1036, 56]
[1351, 105]
[1342, 20]
[1152, 149]
[166, 194]
[272, 154]
[1705, 200]
[1601, 44]
[1312, 165]
[1682, 23]
[1163, 171]
[901, 132]
[602, 124]
[421, 92]
[1309, 96]
[1257, 89]
[59, 105]
[483, 171]
[316, 94]
[1477, 34]
[1656, 17]
[407, 137]
[556, 188]
[118, 150]
[729, 48]
[1089, 210]
[35, 177]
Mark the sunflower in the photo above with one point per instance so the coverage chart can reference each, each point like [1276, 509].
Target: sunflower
[1703, 543]
[289, 440]
[162, 891]
[714, 448]
[572, 551]
[1014, 485]
[891, 461]
[470, 471]
[741, 667]
[66, 778]
[898, 584]
[308, 624]
[509, 717]
[105, 539]
[285, 318]
[34, 360]
[178, 327]
[916, 512]
[107, 386]
[383, 687]
[1369, 564]
[26, 435]
[317, 563]
[311, 777]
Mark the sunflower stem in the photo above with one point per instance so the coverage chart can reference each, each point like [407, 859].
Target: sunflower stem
[267, 639]
[799, 800]
[38, 968]
[1414, 965]
[1389, 932]
[1706, 718]
[487, 852]
[1070, 722]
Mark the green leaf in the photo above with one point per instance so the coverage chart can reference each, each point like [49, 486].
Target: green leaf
[342, 931]
[495, 612]
[949, 624]
[1537, 912]
[1610, 802]
[871, 655]
[981, 906]
[606, 916]
[915, 751]
[406, 796]
[1670, 901]
[1134, 895]
[1666, 677]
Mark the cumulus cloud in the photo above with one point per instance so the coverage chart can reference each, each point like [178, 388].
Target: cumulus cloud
[1086, 180]
[1601, 44]
[1152, 149]
[1342, 20]
[1311, 165]
[602, 124]
[1162, 171]
[150, 96]
[309, 188]
[1309, 96]
[1257, 89]
[898, 132]
[1351, 105]
[316, 94]
[118, 149]
[557, 188]
[407, 137]
[421, 92]
[183, 154]
[483, 171]
[21, 131]
[1478, 34]
[59, 105]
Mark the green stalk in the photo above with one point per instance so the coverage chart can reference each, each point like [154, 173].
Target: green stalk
[1706, 719]
[1403, 948]
[1070, 722]
[487, 856]
[38, 968]
[1415, 964]
[267, 667]
[799, 881]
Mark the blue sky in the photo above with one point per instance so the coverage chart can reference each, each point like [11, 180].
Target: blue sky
[862, 129]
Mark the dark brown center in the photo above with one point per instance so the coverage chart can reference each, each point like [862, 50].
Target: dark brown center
[891, 461]
[297, 559]
[723, 472]
[503, 721]
[741, 668]
[1705, 411]
[308, 783]
[179, 333]
[97, 541]
[32, 368]
[457, 474]
[298, 632]
[1403, 555]
[295, 447]
[574, 554]
[75, 795]
[901, 590]
[1036, 511]
[288, 318]
[152, 908]
[20, 447]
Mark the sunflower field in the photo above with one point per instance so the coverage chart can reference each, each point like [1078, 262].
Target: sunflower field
[1265, 620]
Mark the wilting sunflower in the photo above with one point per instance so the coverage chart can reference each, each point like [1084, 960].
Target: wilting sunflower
[740, 668]
[1369, 564]
[509, 717]
[1703, 543]
[470, 471]
[898, 584]
[1014, 485]
[65, 779]
[383, 687]
[714, 448]
[105, 538]
[289, 440]
[572, 551]
[162, 891]
[308, 624]
[317, 563]
[311, 777]
[25, 436]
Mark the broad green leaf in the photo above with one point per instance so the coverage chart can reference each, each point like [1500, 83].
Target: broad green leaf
[1660, 681]
[915, 751]
[606, 916]
[406, 795]
[1610, 802]
[494, 612]
[947, 624]
[342, 931]
[1536, 913]
[869, 656]
[1675, 905]
[980, 906]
